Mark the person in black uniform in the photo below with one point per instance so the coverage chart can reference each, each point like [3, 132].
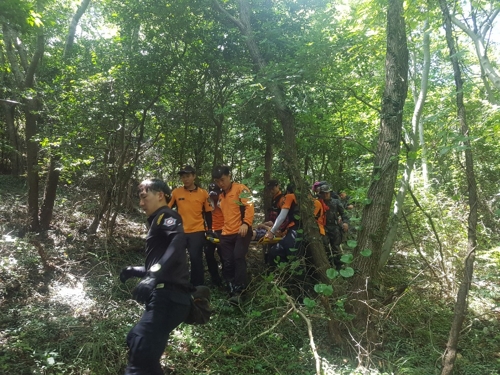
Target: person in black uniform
[164, 287]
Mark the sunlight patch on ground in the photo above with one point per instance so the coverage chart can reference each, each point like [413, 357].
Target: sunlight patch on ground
[72, 295]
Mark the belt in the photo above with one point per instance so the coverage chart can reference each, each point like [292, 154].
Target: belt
[168, 286]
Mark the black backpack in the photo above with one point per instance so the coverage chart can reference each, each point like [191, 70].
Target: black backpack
[200, 306]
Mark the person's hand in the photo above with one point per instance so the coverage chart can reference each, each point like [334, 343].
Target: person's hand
[143, 290]
[345, 227]
[130, 271]
[212, 234]
[269, 235]
[243, 230]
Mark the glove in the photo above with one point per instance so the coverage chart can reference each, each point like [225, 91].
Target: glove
[130, 271]
[212, 234]
[143, 290]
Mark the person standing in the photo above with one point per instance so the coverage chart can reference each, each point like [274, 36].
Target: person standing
[164, 287]
[236, 205]
[193, 204]
[336, 223]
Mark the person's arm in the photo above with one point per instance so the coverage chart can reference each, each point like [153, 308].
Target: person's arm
[132, 271]
[171, 203]
[343, 215]
[208, 220]
[170, 227]
[248, 211]
[279, 220]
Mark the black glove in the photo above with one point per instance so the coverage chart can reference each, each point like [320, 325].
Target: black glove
[130, 271]
[143, 290]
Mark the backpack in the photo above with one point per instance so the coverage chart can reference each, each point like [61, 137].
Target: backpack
[200, 306]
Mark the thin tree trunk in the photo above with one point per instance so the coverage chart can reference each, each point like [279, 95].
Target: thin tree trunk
[479, 44]
[268, 164]
[31, 108]
[461, 303]
[50, 193]
[15, 154]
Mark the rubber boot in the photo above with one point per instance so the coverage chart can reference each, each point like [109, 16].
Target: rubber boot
[236, 295]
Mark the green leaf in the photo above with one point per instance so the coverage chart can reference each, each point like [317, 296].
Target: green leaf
[293, 249]
[352, 243]
[366, 252]
[300, 230]
[347, 272]
[347, 258]
[310, 303]
[324, 289]
[367, 201]
[332, 273]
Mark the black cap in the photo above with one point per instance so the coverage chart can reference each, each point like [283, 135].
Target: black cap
[272, 183]
[187, 169]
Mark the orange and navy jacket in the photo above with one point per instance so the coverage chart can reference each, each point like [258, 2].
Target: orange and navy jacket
[236, 209]
[290, 203]
[275, 208]
[191, 205]
[320, 215]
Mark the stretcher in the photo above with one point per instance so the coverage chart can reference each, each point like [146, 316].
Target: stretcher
[262, 241]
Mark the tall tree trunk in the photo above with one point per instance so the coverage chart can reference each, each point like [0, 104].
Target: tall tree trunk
[461, 303]
[381, 190]
[412, 149]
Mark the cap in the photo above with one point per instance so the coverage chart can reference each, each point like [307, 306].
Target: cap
[317, 184]
[325, 188]
[187, 169]
[272, 183]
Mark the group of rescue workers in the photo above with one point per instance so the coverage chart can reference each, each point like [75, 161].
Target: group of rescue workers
[205, 221]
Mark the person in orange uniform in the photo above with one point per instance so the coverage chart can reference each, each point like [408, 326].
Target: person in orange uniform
[320, 216]
[289, 212]
[193, 204]
[238, 210]
[217, 224]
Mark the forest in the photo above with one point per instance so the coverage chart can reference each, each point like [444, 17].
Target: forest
[394, 102]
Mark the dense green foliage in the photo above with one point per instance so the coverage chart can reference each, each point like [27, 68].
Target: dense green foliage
[147, 86]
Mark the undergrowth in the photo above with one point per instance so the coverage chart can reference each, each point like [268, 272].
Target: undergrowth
[70, 314]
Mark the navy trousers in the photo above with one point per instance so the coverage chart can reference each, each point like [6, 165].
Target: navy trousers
[165, 310]
[195, 244]
[233, 249]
